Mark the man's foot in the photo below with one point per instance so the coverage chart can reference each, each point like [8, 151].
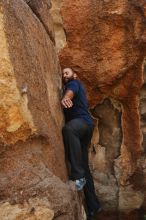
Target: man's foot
[92, 215]
[80, 183]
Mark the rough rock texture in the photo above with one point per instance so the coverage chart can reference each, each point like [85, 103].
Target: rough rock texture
[25, 211]
[106, 45]
[46, 198]
[60, 37]
[107, 55]
[32, 165]
[30, 82]
[42, 11]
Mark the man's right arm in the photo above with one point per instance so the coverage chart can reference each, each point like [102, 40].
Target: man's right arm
[67, 99]
[72, 89]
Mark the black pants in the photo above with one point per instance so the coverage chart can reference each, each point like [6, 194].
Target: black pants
[77, 136]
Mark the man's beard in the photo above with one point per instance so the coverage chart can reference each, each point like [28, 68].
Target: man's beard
[68, 80]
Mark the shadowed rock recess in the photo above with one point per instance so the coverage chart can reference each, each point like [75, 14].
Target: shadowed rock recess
[106, 45]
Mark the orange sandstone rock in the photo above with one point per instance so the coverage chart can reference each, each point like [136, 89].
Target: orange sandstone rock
[106, 46]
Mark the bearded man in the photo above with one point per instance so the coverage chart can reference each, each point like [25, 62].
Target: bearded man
[77, 134]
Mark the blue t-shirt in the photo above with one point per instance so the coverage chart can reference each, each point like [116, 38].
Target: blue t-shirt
[80, 104]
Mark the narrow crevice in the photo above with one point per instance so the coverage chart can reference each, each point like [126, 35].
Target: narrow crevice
[34, 11]
[49, 33]
[110, 137]
[110, 131]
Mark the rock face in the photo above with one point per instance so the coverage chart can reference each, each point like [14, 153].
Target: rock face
[42, 11]
[50, 197]
[19, 212]
[105, 42]
[60, 37]
[29, 87]
[32, 165]
[106, 45]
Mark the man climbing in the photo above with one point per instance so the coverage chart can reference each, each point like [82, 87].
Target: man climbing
[77, 134]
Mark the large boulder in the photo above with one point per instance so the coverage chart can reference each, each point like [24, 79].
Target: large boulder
[32, 163]
[30, 82]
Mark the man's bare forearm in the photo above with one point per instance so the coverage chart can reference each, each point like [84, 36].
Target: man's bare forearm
[67, 99]
[69, 94]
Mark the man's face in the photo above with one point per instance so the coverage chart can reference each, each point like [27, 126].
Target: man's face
[67, 75]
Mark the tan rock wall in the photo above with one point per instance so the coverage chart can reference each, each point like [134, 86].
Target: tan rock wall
[34, 78]
[32, 166]
[15, 212]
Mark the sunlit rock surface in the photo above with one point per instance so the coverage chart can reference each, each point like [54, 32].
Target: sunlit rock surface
[32, 164]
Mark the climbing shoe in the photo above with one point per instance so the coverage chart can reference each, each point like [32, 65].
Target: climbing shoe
[80, 183]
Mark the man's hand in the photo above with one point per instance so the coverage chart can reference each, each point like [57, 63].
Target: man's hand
[66, 102]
